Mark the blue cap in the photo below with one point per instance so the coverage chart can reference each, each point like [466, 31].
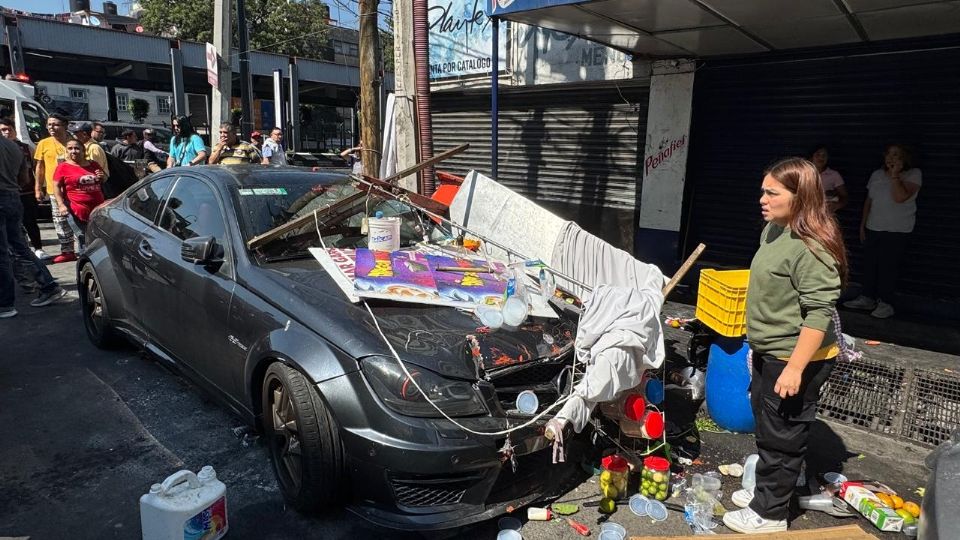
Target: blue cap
[653, 391]
[378, 214]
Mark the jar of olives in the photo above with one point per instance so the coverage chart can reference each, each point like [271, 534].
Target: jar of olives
[614, 476]
[655, 478]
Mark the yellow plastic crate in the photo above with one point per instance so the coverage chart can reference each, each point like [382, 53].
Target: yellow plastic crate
[722, 301]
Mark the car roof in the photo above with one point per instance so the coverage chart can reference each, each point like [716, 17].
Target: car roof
[258, 175]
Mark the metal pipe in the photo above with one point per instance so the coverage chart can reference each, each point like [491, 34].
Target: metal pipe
[176, 71]
[294, 114]
[494, 98]
[421, 51]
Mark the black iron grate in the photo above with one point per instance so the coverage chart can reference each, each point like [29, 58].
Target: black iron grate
[932, 410]
[864, 393]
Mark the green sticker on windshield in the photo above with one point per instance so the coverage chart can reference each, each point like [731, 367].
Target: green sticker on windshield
[263, 191]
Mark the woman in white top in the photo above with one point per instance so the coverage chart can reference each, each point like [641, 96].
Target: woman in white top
[889, 215]
[834, 190]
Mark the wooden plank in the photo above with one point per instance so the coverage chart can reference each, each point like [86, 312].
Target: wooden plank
[846, 532]
[683, 270]
[294, 224]
[424, 164]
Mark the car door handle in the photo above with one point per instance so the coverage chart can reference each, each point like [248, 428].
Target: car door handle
[145, 250]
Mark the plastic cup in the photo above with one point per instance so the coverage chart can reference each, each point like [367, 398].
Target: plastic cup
[514, 311]
[615, 527]
[834, 478]
[638, 505]
[656, 510]
[527, 402]
[509, 524]
[509, 534]
[610, 535]
[489, 317]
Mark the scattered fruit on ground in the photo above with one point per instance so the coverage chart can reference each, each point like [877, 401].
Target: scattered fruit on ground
[564, 509]
[913, 508]
[897, 501]
[608, 506]
[885, 499]
[908, 518]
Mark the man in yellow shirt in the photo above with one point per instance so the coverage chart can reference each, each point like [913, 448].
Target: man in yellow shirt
[92, 149]
[50, 153]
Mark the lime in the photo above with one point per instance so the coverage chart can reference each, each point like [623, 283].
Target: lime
[658, 477]
[607, 505]
[908, 518]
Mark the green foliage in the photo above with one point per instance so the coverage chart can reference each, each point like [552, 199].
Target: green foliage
[139, 109]
[294, 28]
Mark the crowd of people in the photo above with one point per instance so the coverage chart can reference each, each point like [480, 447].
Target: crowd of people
[75, 173]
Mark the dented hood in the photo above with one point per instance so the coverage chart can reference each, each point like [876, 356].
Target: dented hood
[442, 339]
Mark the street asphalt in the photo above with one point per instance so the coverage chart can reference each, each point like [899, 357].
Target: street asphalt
[86, 432]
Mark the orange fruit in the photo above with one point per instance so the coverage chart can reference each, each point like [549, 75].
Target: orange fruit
[885, 499]
[913, 508]
[897, 501]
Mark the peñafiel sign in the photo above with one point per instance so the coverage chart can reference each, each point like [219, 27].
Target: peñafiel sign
[461, 39]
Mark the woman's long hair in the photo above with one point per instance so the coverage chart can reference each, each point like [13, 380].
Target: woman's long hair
[810, 218]
[186, 129]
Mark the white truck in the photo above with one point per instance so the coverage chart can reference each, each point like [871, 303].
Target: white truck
[17, 102]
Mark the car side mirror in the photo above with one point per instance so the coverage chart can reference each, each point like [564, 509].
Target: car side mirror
[201, 250]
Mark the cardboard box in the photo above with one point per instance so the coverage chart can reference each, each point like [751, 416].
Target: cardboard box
[872, 508]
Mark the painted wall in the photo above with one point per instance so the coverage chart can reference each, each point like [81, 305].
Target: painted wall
[155, 116]
[542, 56]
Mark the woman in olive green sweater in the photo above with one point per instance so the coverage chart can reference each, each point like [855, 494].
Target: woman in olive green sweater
[795, 281]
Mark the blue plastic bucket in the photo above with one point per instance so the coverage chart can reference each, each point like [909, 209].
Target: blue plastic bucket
[728, 385]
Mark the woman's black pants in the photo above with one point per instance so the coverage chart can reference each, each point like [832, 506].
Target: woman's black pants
[783, 426]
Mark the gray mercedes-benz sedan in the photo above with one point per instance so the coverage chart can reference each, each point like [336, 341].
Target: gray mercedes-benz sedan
[269, 332]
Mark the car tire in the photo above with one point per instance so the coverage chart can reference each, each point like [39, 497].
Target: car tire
[303, 440]
[96, 318]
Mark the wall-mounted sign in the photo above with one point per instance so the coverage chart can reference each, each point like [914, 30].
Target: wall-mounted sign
[461, 39]
[212, 71]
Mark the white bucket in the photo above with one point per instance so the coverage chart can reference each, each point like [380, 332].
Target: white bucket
[383, 233]
[185, 506]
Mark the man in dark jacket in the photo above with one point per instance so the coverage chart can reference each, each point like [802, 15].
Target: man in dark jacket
[128, 149]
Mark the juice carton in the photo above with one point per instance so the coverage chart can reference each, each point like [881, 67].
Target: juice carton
[872, 508]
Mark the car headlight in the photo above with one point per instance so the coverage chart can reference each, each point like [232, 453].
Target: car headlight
[391, 384]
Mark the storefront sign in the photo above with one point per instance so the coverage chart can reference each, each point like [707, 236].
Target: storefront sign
[461, 39]
[665, 152]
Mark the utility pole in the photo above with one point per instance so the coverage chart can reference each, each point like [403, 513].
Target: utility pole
[222, 32]
[369, 87]
[246, 83]
[405, 117]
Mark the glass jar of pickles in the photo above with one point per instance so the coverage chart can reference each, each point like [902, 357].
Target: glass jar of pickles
[615, 471]
[655, 478]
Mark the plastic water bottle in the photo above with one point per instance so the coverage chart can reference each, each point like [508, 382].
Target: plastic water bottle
[749, 472]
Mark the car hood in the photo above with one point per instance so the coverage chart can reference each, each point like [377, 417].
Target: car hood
[442, 339]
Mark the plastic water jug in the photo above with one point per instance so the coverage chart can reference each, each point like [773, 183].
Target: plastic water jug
[185, 506]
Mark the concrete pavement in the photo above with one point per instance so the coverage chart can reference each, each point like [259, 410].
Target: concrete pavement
[86, 432]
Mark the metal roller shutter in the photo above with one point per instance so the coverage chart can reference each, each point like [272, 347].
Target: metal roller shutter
[748, 113]
[573, 148]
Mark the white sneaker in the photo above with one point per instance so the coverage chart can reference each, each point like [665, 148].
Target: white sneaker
[7, 312]
[742, 497]
[41, 254]
[748, 522]
[882, 311]
[861, 302]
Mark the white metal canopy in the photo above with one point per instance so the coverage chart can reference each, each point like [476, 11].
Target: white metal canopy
[699, 28]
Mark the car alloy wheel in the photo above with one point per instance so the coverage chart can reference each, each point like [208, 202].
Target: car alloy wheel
[95, 315]
[303, 439]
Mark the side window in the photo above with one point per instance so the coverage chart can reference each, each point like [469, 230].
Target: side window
[36, 120]
[6, 108]
[193, 210]
[146, 200]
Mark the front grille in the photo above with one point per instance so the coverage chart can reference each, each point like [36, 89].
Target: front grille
[529, 376]
[932, 411]
[425, 492]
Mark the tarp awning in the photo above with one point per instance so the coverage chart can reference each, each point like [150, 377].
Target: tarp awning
[700, 28]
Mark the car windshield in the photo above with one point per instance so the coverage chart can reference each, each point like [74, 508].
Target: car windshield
[340, 208]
